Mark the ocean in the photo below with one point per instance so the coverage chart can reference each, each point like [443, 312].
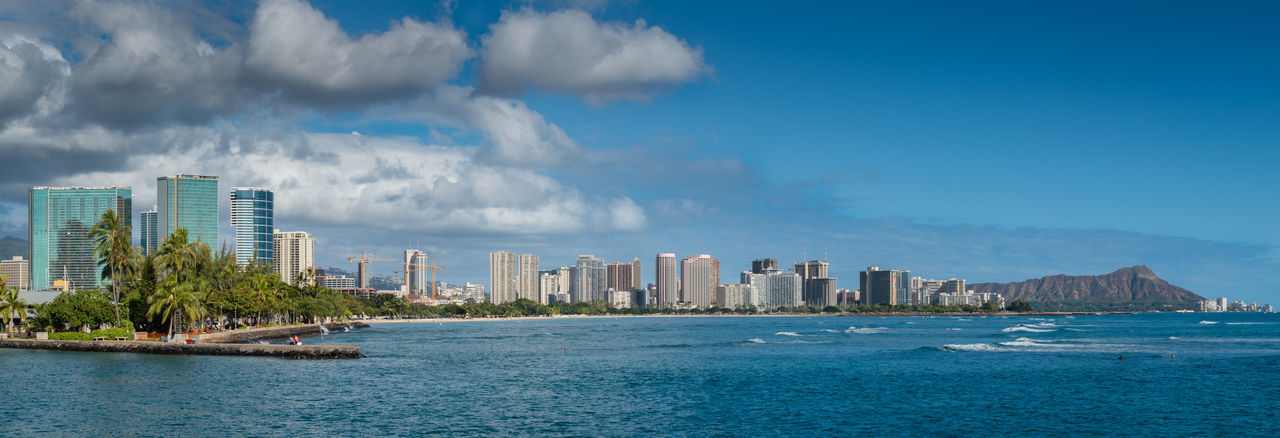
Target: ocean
[698, 376]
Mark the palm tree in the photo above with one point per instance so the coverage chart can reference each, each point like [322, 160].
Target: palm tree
[176, 255]
[11, 306]
[114, 249]
[174, 299]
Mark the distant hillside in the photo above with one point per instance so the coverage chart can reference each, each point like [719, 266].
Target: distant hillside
[1131, 287]
[12, 246]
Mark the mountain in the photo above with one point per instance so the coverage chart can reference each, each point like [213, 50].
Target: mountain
[12, 246]
[1131, 286]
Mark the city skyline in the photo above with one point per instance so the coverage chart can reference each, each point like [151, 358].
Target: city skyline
[924, 144]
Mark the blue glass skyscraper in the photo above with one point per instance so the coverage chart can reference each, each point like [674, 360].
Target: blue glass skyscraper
[191, 202]
[148, 237]
[252, 212]
[60, 219]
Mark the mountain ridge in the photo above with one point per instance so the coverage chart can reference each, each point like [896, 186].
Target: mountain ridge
[1133, 284]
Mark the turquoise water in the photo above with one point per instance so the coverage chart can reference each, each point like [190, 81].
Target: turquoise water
[806, 376]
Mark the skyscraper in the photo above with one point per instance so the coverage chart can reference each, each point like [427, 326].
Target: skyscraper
[415, 276]
[758, 266]
[59, 220]
[664, 276]
[252, 212]
[295, 252]
[618, 276]
[697, 286]
[502, 277]
[528, 278]
[588, 280]
[818, 290]
[148, 237]
[636, 279]
[890, 287]
[191, 202]
[811, 269]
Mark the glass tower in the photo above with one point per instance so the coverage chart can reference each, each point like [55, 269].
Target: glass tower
[191, 202]
[252, 211]
[148, 238]
[60, 219]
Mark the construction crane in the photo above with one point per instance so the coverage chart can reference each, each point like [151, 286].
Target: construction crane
[362, 260]
[417, 267]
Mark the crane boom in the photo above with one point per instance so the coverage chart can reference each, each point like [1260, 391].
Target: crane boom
[362, 261]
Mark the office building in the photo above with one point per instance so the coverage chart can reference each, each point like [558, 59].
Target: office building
[252, 212]
[59, 220]
[148, 236]
[811, 269]
[416, 275]
[820, 292]
[636, 276]
[664, 276]
[758, 266]
[338, 282]
[697, 287]
[618, 276]
[587, 282]
[16, 273]
[502, 277]
[190, 202]
[891, 287]
[527, 278]
[295, 252]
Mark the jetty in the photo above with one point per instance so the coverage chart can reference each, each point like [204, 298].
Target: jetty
[213, 349]
[275, 333]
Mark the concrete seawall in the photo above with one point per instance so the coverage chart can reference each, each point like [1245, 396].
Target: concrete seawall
[268, 333]
[145, 347]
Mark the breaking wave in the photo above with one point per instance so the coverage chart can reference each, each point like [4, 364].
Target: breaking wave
[1043, 327]
[787, 334]
[756, 341]
[865, 330]
[1208, 322]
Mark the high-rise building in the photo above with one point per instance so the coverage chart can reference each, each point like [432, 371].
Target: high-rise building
[758, 266]
[636, 278]
[548, 285]
[502, 277]
[59, 220]
[664, 276]
[890, 287]
[16, 273]
[697, 286]
[295, 252]
[252, 217]
[527, 278]
[588, 280]
[148, 236]
[191, 202]
[618, 276]
[415, 276]
[820, 292]
[811, 269]
[732, 296]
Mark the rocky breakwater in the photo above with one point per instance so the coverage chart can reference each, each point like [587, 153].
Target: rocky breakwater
[147, 347]
[281, 332]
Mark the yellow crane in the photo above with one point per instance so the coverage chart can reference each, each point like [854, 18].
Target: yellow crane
[417, 267]
[363, 260]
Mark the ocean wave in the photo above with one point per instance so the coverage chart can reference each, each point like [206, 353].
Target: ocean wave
[972, 347]
[830, 331]
[787, 334]
[1038, 345]
[1248, 323]
[955, 329]
[1024, 328]
[865, 330]
[756, 341]
[1208, 322]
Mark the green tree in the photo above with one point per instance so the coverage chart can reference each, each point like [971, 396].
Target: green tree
[1019, 306]
[114, 249]
[174, 299]
[75, 309]
[11, 306]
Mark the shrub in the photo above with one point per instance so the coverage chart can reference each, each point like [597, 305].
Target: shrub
[70, 336]
[112, 333]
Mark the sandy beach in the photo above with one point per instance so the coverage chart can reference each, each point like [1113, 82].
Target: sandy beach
[768, 315]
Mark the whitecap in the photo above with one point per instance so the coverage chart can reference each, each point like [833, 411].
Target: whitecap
[865, 330]
[1024, 328]
[1174, 338]
[1245, 323]
[787, 334]
[971, 347]
[830, 331]
[756, 340]
[1208, 322]
[956, 329]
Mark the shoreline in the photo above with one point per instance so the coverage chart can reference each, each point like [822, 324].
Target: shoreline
[177, 348]
[769, 315]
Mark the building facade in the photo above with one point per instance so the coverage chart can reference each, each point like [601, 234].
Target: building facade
[252, 218]
[733, 296]
[16, 273]
[502, 277]
[758, 266]
[664, 277]
[820, 292]
[636, 277]
[890, 287]
[59, 220]
[618, 276]
[527, 277]
[148, 236]
[190, 202]
[697, 287]
[416, 277]
[295, 252]
[588, 278]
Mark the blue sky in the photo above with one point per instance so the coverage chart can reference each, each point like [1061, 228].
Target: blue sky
[995, 141]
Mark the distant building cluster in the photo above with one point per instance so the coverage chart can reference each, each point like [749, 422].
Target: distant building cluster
[695, 282]
[60, 251]
[1221, 305]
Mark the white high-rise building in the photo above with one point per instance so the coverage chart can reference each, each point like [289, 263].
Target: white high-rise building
[295, 252]
[697, 285]
[548, 285]
[416, 277]
[664, 277]
[502, 277]
[527, 278]
[587, 282]
[148, 237]
[732, 296]
[16, 273]
[774, 289]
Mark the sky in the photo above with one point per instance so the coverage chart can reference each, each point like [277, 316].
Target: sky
[990, 141]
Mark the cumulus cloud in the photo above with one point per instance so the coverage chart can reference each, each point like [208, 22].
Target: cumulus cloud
[296, 49]
[570, 52]
[28, 70]
[519, 135]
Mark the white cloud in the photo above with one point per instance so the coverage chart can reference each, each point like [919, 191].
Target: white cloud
[294, 47]
[520, 136]
[568, 51]
[28, 71]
